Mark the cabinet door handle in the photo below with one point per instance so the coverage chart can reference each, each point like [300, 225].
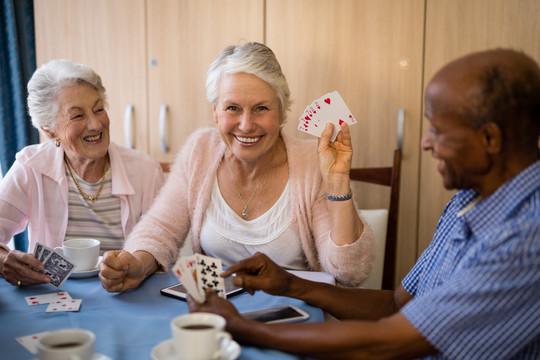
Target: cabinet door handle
[128, 121]
[400, 124]
[162, 130]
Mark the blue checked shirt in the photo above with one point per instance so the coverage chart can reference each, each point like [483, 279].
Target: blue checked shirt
[476, 287]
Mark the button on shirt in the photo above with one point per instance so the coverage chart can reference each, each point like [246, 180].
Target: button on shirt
[476, 287]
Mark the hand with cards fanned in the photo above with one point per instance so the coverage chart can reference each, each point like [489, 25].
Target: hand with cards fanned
[22, 269]
[328, 108]
[57, 267]
[198, 273]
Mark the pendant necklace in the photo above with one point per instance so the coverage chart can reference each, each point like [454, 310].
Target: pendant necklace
[244, 211]
[92, 198]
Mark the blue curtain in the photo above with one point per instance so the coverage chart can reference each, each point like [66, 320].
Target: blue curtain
[17, 63]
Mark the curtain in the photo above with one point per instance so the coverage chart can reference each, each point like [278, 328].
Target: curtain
[17, 63]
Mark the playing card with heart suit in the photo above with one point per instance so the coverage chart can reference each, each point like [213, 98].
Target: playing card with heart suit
[30, 342]
[185, 271]
[47, 298]
[64, 305]
[329, 108]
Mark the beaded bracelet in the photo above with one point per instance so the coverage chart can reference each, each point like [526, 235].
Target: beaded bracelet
[339, 197]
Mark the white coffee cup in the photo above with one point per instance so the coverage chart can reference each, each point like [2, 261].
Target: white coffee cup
[67, 344]
[84, 253]
[199, 336]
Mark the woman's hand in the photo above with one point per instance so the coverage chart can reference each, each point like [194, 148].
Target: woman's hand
[121, 271]
[335, 163]
[335, 157]
[22, 268]
[260, 273]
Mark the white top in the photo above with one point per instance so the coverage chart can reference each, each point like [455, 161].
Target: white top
[227, 236]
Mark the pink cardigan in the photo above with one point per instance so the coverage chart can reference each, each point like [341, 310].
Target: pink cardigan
[183, 201]
[35, 192]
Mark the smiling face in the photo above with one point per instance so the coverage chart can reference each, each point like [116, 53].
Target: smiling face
[82, 124]
[464, 161]
[248, 115]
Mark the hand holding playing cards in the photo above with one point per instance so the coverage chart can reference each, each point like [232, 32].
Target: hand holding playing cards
[214, 304]
[23, 267]
[335, 157]
[121, 271]
[260, 273]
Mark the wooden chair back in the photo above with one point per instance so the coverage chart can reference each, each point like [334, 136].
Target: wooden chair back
[386, 176]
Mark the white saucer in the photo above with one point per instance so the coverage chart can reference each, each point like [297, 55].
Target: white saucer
[96, 356]
[165, 351]
[86, 273]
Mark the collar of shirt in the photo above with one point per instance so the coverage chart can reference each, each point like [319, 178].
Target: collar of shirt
[500, 205]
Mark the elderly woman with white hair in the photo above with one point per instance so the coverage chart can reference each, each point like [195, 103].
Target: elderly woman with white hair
[246, 187]
[78, 184]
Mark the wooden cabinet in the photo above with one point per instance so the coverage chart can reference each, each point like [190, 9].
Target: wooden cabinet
[110, 37]
[379, 54]
[184, 37]
[150, 54]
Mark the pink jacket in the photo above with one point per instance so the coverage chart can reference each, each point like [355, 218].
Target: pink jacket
[35, 192]
[181, 206]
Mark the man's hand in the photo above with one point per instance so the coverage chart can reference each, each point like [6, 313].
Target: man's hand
[213, 304]
[260, 273]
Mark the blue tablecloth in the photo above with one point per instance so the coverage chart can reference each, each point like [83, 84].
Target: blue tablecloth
[127, 325]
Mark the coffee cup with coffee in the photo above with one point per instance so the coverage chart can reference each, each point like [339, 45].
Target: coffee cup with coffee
[67, 344]
[199, 336]
[84, 253]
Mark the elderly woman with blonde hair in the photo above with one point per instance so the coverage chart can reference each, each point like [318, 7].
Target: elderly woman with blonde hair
[247, 187]
[78, 184]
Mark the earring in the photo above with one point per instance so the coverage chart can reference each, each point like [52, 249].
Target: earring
[57, 142]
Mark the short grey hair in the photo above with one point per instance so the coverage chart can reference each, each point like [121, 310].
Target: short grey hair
[250, 58]
[48, 81]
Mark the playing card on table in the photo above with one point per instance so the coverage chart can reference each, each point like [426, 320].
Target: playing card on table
[328, 108]
[30, 342]
[64, 305]
[208, 270]
[58, 268]
[47, 298]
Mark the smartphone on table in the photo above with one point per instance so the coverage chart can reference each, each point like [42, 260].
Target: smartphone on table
[279, 314]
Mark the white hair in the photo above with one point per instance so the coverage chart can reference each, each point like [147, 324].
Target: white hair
[48, 81]
[250, 58]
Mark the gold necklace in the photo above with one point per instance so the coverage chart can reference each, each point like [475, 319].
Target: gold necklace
[244, 211]
[92, 198]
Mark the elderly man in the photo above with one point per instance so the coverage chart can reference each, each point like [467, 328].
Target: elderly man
[473, 294]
